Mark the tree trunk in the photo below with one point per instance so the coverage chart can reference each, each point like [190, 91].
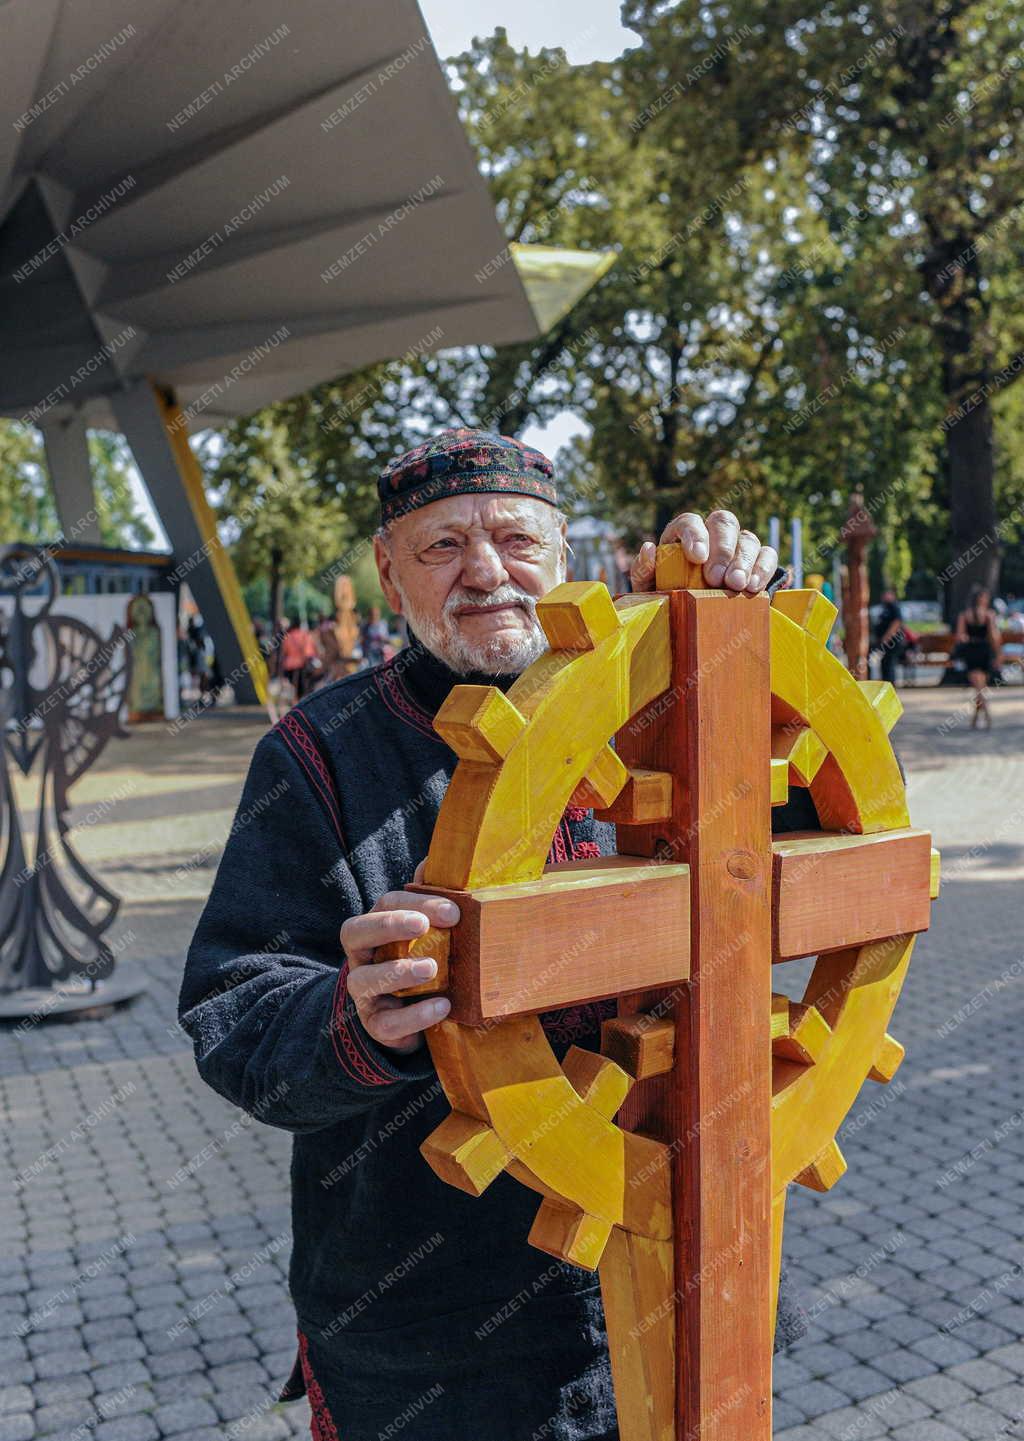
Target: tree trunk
[276, 587]
[952, 273]
[972, 508]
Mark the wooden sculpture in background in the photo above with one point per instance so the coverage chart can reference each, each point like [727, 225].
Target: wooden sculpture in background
[664, 1161]
[340, 640]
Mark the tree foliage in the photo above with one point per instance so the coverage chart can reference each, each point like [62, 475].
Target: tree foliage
[815, 210]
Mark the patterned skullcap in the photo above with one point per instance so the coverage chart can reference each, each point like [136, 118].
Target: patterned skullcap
[463, 462]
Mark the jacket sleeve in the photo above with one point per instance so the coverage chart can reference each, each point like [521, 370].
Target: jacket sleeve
[264, 995]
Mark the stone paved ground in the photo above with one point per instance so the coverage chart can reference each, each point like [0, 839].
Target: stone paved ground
[144, 1244]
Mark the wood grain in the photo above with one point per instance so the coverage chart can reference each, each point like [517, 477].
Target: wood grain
[571, 936]
[832, 891]
[713, 1109]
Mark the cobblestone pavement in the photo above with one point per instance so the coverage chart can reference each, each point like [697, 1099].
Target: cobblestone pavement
[144, 1244]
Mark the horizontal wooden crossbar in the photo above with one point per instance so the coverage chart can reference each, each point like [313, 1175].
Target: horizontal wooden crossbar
[834, 891]
[574, 935]
[571, 936]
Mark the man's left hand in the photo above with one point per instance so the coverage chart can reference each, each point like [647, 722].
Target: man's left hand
[732, 558]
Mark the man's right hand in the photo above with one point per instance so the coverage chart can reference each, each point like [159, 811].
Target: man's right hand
[396, 916]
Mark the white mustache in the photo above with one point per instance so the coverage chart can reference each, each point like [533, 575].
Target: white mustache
[507, 594]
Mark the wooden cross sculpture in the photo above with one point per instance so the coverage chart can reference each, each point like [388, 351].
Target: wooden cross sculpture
[664, 1161]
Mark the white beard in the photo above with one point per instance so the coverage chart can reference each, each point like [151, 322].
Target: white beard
[505, 654]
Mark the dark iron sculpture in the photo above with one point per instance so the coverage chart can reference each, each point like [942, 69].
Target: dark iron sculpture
[61, 692]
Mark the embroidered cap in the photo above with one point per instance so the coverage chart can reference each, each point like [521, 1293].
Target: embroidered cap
[463, 462]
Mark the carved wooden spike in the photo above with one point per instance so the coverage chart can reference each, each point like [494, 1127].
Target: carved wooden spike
[602, 782]
[433, 943]
[597, 1080]
[570, 1234]
[803, 751]
[825, 1170]
[888, 1060]
[780, 782]
[935, 877]
[673, 570]
[646, 797]
[638, 1285]
[578, 615]
[780, 1015]
[807, 1037]
[642, 1045]
[480, 723]
[465, 1152]
[811, 610]
[885, 701]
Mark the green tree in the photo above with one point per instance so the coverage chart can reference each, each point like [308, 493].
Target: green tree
[27, 508]
[27, 511]
[280, 524]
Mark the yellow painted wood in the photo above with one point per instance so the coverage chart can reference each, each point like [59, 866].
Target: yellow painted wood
[646, 797]
[780, 782]
[637, 1288]
[936, 874]
[884, 700]
[191, 475]
[778, 1222]
[825, 1170]
[856, 992]
[859, 788]
[480, 723]
[466, 1153]
[809, 609]
[780, 1015]
[507, 1076]
[801, 749]
[888, 1061]
[602, 782]
[597, 1080]
[569, 1234]
[495, 824]
[577, 615]
[606, 1190]
[807, 1038]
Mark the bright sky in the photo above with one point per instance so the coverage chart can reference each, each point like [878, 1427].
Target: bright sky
[586, 30]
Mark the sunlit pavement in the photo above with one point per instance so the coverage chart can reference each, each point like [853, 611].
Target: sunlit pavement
[145, 1240]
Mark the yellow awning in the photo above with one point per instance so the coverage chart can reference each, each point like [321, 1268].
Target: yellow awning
[555, 279]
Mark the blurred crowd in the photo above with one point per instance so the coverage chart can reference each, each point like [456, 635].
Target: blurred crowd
[302, 656]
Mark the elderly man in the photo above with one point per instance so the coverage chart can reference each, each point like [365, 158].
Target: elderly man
[420, 1310]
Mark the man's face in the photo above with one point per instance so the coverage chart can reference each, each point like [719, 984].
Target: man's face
[467, 573]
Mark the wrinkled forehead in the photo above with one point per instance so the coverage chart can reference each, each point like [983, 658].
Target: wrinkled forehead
[467, 513]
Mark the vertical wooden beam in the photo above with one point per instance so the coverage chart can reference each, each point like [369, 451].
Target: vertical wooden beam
[714, 1108]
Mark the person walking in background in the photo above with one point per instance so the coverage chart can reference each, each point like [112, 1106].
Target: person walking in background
[374, 637]
[297, 649]
[978, 645]
[889, 637]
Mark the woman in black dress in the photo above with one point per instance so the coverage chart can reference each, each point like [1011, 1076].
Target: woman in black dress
[978, 643]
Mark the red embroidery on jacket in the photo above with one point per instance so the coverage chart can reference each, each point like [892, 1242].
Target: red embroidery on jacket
[296, 735]
[356, 1060]
[400, 703]
[321, 1421]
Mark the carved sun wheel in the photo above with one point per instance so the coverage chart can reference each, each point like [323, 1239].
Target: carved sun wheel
[665, 1160]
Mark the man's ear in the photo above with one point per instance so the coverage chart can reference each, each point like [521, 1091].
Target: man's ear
[563, 534]
[382, 555]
